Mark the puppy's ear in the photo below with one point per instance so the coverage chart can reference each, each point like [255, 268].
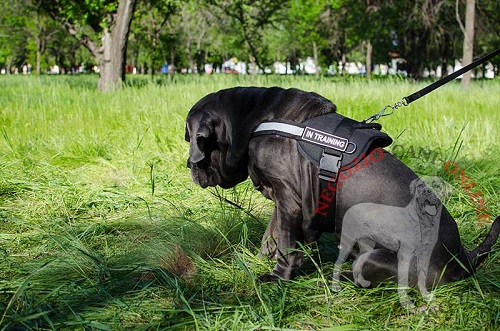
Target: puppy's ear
[197, 147]
[413, 186]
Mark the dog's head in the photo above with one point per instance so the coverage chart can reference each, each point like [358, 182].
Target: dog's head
[210, 147]
[219, 128]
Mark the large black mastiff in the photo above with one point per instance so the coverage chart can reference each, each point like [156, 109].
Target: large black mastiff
[222, 152]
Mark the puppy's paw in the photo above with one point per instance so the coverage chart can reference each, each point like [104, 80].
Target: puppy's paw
[425, 309]
[361, 282]
[268, 278]
[407, 303]
[335, 283]
[428, 297]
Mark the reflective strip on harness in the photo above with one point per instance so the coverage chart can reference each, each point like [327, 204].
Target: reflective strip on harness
[280, 128]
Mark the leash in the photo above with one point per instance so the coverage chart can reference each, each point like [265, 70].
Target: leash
[417, 95]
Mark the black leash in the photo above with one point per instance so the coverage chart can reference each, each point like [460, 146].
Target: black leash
[417, 95]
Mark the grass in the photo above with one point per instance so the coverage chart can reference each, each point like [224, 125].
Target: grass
[101, 227]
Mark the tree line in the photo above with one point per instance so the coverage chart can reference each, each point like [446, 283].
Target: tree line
[109, 34]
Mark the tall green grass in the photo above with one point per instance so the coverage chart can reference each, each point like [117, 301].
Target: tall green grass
[101, 227]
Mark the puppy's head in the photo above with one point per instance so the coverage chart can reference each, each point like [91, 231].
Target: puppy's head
[440, 187]
[210, 139]
[423, 191]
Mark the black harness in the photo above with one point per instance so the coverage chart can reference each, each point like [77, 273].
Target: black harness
[332, 142]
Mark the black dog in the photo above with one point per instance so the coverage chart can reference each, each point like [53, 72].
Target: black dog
[222, 152]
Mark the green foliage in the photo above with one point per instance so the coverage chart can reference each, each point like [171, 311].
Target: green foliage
[251, 20]
[488, 22]
[13, 35]
[151, 41]
[191, 33]
[93, 13]
[304, 23]
[101, 227]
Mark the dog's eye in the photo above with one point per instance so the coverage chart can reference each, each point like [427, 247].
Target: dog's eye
[203, 164]
[208, 145]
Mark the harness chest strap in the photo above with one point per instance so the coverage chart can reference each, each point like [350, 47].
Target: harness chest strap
[330, 163]
[333, 146]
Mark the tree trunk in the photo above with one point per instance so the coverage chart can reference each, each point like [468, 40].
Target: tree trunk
[38, 54]
[154, 41]
[468, 39]
[252, 70]
[107, 78]
[444, 68]
[172, 61]
[369, 51]
[40, 41]
[9, 64]
[200, 58]
[315, 54]
[188, 53]
[114, 48]
[343, 61]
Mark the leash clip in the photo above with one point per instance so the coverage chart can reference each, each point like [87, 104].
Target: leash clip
[384, 112]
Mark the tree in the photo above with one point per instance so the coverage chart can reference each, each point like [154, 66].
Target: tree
[487, 34]
[470, 12]
[102, 26]
[430, 38]
[149, 32]
[194, 23]
[14, 36]
[364, 32]
[45, 34]
[250, 20]
[424, 33]
[374, 31]
[305, 25]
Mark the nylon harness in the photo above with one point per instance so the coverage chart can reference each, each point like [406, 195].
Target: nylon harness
[332, 142]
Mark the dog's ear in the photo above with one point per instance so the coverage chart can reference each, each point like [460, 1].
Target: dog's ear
[197, 147]
[186, 134]
[249, 107]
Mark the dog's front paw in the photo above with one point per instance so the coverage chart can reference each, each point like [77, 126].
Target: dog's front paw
[269, 249]
[268, 278]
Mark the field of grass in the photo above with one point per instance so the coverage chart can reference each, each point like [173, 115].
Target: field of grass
[101, 227]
